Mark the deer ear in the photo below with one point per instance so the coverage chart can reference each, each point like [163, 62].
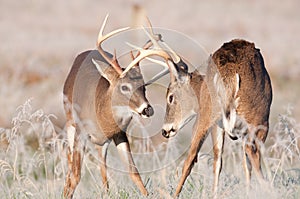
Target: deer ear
[102, 69]
[179, 71]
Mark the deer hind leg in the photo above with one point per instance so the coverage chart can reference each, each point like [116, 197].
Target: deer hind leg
[74, 162]
[252, 155]
[247, 164]
[123, 147]
[218, 143]
[102, 151]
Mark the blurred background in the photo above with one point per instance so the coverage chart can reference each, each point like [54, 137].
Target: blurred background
[40, 39]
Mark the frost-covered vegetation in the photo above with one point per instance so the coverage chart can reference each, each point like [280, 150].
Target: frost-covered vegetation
[36, 53]
[33, 165]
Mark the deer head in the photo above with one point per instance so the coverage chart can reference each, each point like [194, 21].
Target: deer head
[126, 89]
[182, 104]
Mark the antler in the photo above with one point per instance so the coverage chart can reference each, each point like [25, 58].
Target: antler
[177, 58]
[112, 61]
[146, 52]
[158, 51]
[141, 51]
[158, 37]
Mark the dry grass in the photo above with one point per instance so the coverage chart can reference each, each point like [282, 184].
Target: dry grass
[33, 164]
[39, 40]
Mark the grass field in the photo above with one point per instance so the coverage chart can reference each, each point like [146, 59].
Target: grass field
[39, 41]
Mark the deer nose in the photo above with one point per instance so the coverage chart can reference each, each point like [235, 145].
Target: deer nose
[148, 111]
[165, 133]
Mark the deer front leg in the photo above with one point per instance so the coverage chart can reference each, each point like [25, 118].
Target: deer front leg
[74, 162]
[218, 143]
[123, 147]
[197, 142]
[102, 151]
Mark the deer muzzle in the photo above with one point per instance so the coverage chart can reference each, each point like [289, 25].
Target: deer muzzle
[169, 133]
[148, 111]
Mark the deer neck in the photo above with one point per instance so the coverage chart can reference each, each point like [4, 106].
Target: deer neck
[107, 117]
[196, 83]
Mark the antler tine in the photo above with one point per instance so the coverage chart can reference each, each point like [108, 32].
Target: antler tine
[131, 54]
[156, 37]
[160, 74]
[144, 54]
[164, 64]
[150, 25]
[152, 35]
[152, 39]
[177, 58]
[158, 50]
[101, 38]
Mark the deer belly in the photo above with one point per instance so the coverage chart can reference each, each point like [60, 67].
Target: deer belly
[94, 132]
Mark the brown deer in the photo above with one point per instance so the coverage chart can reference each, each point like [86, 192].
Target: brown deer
[99, 100]
[234, 97]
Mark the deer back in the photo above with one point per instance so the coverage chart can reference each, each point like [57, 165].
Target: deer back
[245, 81]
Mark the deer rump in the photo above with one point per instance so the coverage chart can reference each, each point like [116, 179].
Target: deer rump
[240, 88]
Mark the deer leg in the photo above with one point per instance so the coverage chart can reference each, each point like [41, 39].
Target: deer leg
[252, 160]
[247, 166]
[102, 151]
[218, 143]
[124, 150]
[252, 156]
[74, 162]
[252, 150]
[197, 142]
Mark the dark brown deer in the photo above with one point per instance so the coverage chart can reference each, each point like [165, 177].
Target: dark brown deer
[233, 98]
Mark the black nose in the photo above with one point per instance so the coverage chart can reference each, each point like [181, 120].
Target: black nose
[165, 133]
[148, 111]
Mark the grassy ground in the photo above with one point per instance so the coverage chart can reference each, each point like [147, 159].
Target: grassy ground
[39, 41]
[33, 164]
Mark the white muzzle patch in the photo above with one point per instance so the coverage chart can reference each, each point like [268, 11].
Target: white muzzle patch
[141, 109]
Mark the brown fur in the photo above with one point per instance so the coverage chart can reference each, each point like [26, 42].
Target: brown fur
[88, 101]
[254, 99]
[239, 56]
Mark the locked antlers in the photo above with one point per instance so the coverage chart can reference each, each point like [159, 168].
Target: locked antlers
[143, 52]
[151, 48]
[172, 60]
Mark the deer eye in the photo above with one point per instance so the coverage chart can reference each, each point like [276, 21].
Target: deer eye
[171, 98]
[125, 88]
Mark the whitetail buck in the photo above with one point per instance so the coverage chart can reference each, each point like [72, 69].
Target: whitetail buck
[99, 99]
[234, 97]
